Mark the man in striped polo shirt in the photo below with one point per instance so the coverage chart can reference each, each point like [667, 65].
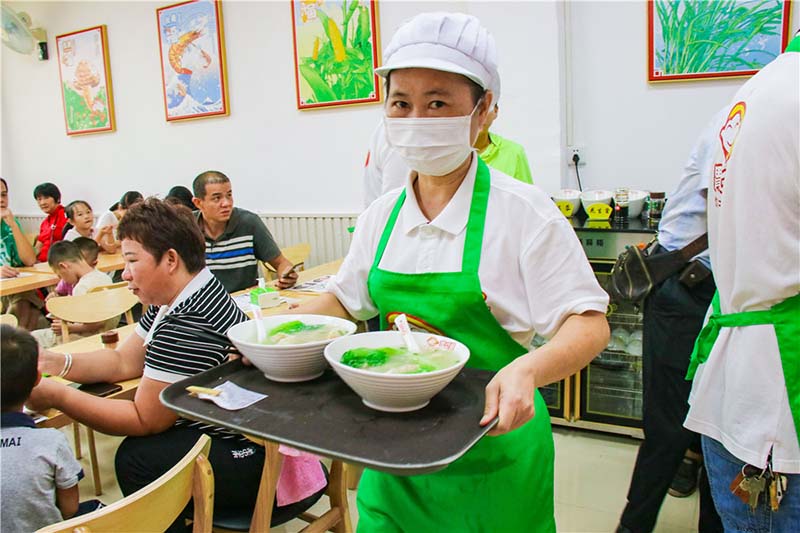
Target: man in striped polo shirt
[236, 239]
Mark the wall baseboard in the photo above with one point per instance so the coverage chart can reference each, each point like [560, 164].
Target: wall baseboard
[327, 234]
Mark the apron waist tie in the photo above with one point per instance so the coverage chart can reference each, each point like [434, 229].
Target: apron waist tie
[708, 335]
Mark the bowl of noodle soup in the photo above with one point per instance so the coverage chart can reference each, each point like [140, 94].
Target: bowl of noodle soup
[293, 348]
[387, 377]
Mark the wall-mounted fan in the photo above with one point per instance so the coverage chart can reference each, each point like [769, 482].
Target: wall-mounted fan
[20, 37]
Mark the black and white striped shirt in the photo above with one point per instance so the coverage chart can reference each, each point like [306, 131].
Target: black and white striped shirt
[172, 352]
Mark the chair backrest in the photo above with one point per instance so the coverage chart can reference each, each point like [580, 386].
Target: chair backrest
[156, 506]
[298, 253]
[9, 320]
[92, 307]
[109, 286]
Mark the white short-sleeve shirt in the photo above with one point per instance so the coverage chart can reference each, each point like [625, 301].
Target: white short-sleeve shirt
[739, 395]
[533, 270]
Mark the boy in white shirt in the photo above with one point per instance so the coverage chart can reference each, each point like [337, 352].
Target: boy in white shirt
[66, 260]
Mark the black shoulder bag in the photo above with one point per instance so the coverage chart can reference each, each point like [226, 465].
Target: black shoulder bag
[637, 271]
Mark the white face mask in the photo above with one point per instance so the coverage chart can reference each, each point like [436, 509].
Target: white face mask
[431, 146]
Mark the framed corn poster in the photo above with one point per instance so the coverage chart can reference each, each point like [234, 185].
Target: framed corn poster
[698, 39]
[85, 74]
[192, 53]
[335, 52]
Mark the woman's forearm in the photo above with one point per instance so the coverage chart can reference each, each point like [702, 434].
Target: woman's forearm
[112, 417]
[24, 248]
[324, 304]
[577, 342]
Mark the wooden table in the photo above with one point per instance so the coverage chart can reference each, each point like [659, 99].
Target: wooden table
[105, 263]
[41, 275]
[31, 281]
[303, 276]
[57, 419]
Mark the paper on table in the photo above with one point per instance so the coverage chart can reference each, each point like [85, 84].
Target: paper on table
[233, 397]
[19, 275]
[319, 284]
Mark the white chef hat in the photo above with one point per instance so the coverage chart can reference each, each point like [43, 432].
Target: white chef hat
[495, 88]
[451, 42]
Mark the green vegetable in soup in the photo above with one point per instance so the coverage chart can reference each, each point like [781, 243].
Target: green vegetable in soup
[367, 357]
[297, 332]
[295, 326]
[398, 360]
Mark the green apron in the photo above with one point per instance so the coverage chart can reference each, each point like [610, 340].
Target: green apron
[503, 483]
[784, 317]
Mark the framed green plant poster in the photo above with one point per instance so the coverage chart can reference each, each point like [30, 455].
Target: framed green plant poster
[701, 39]
[335, 52]
[85, 74]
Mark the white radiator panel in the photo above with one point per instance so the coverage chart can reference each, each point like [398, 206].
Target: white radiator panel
[327, 234]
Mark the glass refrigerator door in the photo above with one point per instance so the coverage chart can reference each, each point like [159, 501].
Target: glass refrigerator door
[611, 386]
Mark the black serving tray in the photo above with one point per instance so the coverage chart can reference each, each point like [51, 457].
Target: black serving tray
[325, 417]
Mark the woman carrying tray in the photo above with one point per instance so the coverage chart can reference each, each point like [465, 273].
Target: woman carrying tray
[475, 255]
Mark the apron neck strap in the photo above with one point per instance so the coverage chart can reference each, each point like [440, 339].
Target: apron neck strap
[387, 230]
[473, 240]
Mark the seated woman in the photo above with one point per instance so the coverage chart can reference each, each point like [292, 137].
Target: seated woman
[16, 251]
[164, 255]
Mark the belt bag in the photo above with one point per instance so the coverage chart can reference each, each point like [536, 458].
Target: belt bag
[637, 270]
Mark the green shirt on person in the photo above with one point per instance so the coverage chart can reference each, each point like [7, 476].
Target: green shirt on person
[507, 157]
[9, 256]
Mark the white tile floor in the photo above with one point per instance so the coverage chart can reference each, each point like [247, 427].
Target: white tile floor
[592, 475]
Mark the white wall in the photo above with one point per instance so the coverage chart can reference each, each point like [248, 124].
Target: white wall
[280, 160]
[285, 161]
[635, 133]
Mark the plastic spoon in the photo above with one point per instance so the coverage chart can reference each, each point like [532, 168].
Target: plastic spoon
[261, 333]
[402, 326]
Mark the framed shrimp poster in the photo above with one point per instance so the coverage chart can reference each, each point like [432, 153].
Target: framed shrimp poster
[85, 75]
[698, 39]
[192, 54]
[335, 52]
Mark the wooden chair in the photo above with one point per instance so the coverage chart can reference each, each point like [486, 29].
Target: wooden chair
[157, 505]
[109, 286]
[8, 319]
[95, 306]
[298, 253]
[336, 519]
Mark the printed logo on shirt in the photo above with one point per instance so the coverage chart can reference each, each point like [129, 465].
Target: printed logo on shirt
[241, 454]
[727, 136]
[9, 442]
[414, 323]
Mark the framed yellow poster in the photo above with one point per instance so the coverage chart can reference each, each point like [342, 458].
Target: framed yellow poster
[335, 52]
[85, 75]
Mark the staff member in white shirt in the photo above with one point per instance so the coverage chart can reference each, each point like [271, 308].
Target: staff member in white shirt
[482, 258]
[745, 398]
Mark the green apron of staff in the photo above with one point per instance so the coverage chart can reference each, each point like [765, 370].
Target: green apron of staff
[784, 318]
[503, 483]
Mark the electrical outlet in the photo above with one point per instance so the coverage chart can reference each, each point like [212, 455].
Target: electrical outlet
[581, 153]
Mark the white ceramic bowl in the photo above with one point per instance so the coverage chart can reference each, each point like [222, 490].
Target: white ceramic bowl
[596, 197]
[393, 392]
[289, 362]
[636, 202]
[573, 196]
